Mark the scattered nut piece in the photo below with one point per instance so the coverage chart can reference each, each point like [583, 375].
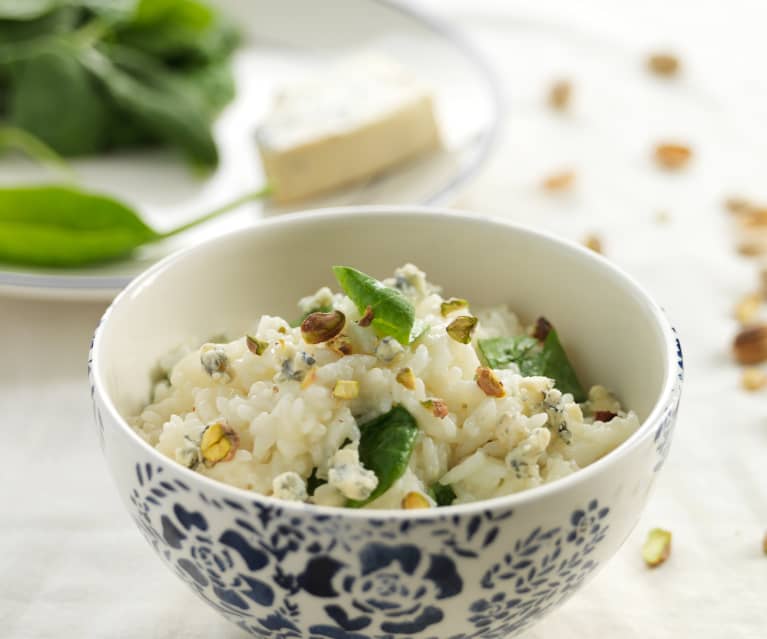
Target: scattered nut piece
[542, 329]
[737, 205]
[593, 242]
[489, 383]
[415, 500]
[406, 377]
[672, 156]
[559, 182]
[322, 327]
[462, 328]
[764, 543]
[657, 547]
[309, 378]
[367, 318]
[559, 95]
[665, 64]
[282, 330]
[604, 416]
[752, 248]
[255, 345]
[340, 344]
[750, 345]
[346, 389]
[451, 305]
[753, 379]
[438, 407]
[747, 309]
[218, 444]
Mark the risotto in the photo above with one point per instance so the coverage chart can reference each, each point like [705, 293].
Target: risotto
[384, 396]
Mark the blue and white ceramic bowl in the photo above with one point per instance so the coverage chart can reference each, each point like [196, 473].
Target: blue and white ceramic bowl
[488, 569]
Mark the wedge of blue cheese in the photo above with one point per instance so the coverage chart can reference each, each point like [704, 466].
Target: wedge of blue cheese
[360, 118]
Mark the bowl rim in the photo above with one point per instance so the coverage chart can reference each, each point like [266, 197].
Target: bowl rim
[667, 399]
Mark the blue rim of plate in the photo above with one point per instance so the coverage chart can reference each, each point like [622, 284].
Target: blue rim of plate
[486, 143]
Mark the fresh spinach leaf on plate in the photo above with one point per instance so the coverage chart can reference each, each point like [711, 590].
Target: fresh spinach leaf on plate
[163, 107]
[386, 445]
[393, 314]
[58, 225]
[57, 100]
[547, 358]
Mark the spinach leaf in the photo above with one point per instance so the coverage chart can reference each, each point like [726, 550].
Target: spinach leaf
[20, 140]
[534, 358]
[313, 482]
[499, 352]
[386, 444]
[161, 105]
[393, 314]
[443, 494]
[181, 32]
[61, 226]
[64, 226]
[57, 100]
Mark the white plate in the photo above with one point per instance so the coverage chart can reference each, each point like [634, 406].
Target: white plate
[284, 40]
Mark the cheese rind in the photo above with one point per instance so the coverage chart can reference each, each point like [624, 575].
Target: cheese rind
[363, 118]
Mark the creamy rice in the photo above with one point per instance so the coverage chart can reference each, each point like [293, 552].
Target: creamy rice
[284, 422]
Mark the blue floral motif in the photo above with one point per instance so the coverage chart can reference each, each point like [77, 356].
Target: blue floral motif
[367, 582]
[393, 582]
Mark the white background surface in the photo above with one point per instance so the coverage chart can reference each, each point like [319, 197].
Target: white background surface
[72, 563]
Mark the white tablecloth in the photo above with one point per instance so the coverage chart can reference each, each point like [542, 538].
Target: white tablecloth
[72, 563]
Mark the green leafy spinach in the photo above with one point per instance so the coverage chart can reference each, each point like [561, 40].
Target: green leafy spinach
[547, 358]
[386, 445]
[443, 494]
[393, 314]
[59, 225]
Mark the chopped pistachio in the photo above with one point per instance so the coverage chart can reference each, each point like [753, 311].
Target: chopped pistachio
[462, 328]
[322, 327]
[415, 500]
[559, 182]
[672, 156]
[309, 378]
[747, 309]
[346, 389]
[215, 362]
[753, 379]
[255, 345]
[340, 345]
[451, 305]
[438, 407]
[367, 317]
[489, 383]
[750, 345]
[560, 94]
[542, 329]
[594, 242]
[218, 443]
[657, 547]
[665, 64]
[406, 377]
[282, 330]
[737, 205]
